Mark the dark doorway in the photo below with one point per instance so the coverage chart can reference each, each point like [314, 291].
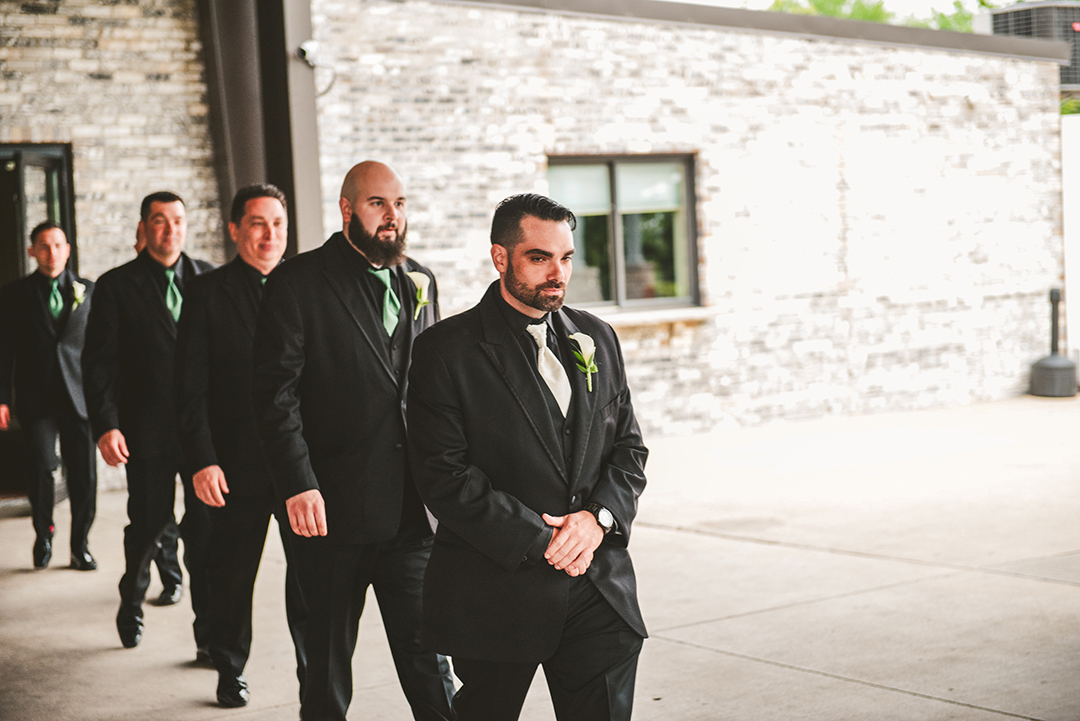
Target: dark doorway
[35, 185]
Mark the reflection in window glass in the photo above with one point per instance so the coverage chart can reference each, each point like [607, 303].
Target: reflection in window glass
[37, 209]
[650, 200]
[646, 225]
[591, 281]
[585, 189]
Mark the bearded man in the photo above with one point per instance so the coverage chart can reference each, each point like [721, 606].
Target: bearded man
[332, 350]
[524, 446]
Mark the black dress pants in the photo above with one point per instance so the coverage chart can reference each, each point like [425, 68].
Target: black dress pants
[237, 537]
[167, 559]
[590, 676]
[334, 580]
[77, 450]
[151, 495]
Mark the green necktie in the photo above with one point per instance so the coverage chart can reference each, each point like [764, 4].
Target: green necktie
[391, 304]
[56, 301]
[173, 299]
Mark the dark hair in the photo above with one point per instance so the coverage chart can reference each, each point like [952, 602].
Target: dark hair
[250, 192]
[41, 228]
[506, 225]
[162, 196]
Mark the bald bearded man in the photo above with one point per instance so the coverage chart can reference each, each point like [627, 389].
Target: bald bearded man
[332, 351]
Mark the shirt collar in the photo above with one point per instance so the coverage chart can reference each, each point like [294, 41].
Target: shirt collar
[516, 319]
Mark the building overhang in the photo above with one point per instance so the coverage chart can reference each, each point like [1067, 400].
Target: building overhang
[788, 24]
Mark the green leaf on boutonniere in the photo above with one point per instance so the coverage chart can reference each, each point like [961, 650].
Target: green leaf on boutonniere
[586, 357]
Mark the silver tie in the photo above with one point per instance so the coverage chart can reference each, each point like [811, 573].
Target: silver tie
[551, 370]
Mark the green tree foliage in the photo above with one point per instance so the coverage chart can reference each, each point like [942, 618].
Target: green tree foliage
[959, 20]
[850, 9]
[1070, 107]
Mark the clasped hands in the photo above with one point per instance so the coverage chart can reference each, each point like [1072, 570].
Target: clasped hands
[571, 548]
[577, 536]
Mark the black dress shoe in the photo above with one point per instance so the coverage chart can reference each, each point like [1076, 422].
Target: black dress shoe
[170, 596]
[42, 552]
[232, 691]
[83, 561]
[130, 629]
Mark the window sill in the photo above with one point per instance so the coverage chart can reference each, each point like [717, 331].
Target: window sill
[617, 318]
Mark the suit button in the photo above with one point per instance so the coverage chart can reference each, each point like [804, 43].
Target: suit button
[573, 500]
[398, 446]
[524, 559]
[567, 431]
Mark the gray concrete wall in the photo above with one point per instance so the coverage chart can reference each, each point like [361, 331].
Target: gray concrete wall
[879, 224]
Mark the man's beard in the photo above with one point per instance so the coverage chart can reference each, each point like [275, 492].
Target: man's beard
[533, 296]
[378, 252]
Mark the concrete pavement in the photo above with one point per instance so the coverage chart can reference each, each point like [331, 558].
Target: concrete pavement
[922, 565]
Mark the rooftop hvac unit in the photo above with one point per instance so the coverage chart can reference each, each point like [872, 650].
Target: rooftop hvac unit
[1049, 20]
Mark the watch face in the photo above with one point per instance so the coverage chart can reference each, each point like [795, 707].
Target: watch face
[605, 518]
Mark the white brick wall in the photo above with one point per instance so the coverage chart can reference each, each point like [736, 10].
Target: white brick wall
[878, 226]
[123, 83]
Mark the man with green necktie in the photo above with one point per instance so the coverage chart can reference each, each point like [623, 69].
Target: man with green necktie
[42, 326]
[331, 361]
[128, 365]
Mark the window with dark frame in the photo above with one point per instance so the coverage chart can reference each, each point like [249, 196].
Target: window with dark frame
[635, 234]
[35, 185]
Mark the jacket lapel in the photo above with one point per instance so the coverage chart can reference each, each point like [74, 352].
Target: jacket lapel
[347, 289]
[236, 293]
[70, 310]
[42, 316]
[520, 378]
[584, 402]
[144, 281]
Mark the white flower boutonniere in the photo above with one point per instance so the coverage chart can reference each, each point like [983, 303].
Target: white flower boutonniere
[421, 281]
[586, 357]
[78, 290]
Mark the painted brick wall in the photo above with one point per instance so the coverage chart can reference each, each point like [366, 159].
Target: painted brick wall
[878, 226]
[123, 83]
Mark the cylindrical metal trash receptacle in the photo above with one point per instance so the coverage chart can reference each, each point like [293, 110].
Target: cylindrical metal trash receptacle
[1053, 377]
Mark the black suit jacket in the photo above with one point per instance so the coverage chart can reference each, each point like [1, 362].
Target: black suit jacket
[487, 462]
[35, 352]
[213, 379]
[328, 406]
[128, 358]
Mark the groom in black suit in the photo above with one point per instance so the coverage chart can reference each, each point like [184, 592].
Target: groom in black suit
[525, 448]
[128, 368]
[42, 327]
[331, 356]
[217, 432]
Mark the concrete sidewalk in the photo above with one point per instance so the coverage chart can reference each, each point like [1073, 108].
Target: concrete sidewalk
[909, 566]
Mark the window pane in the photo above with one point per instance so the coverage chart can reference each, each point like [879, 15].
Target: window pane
[652, 206]
[586, 190]
[645, 187]
[591, 280]
[37, 209]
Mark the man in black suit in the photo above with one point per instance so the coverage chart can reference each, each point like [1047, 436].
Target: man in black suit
[217, 432]
[166, 559]
[42, 327]
[524, 446]
[331, 356]
[128, 367]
